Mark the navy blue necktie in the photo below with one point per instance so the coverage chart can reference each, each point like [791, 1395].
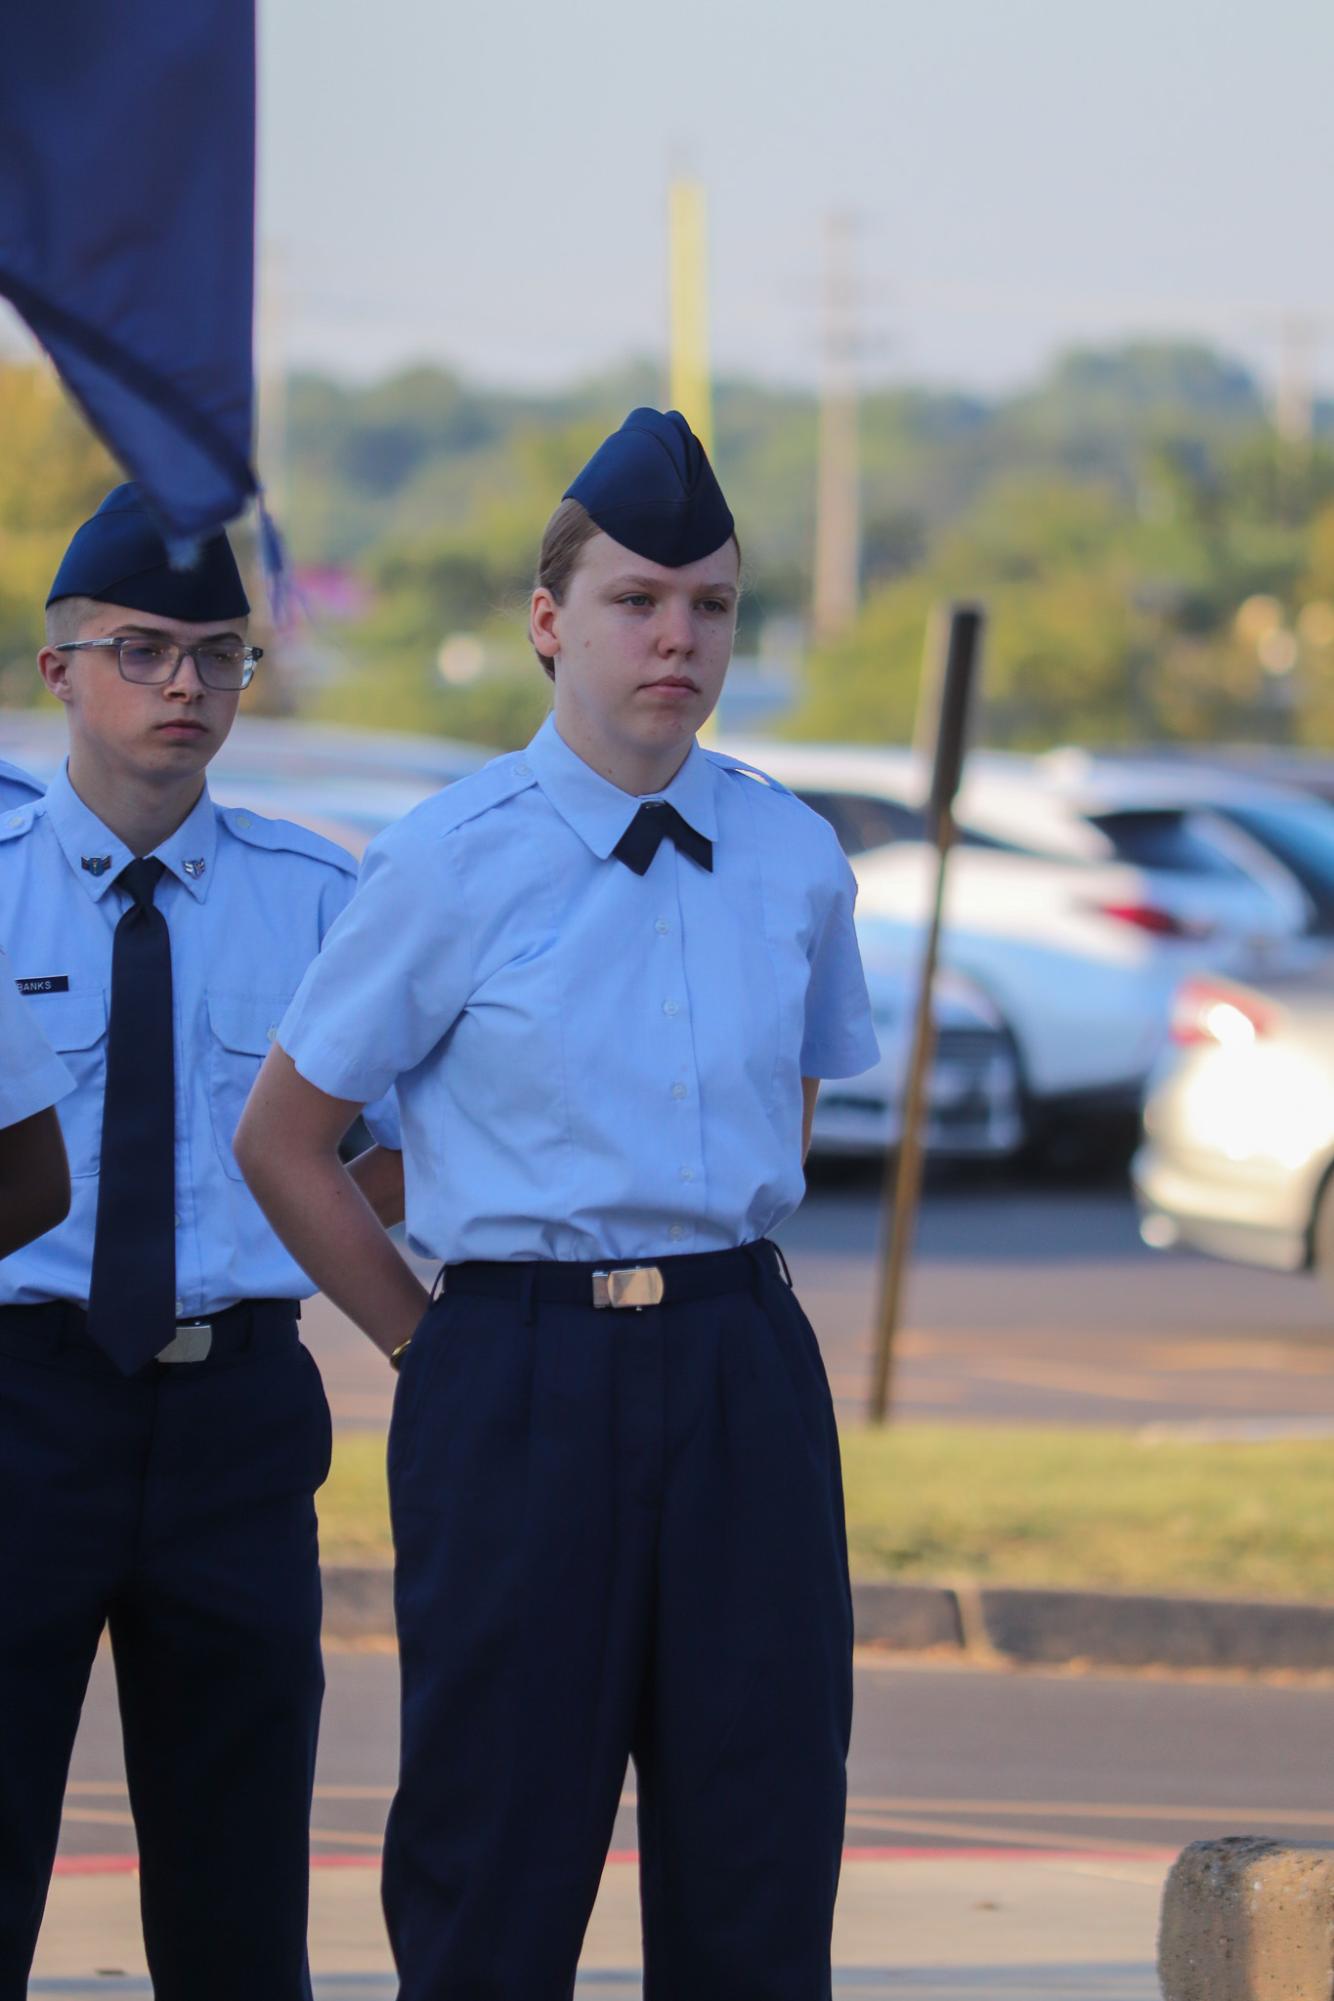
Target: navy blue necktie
[132, 1298]
[654, 823]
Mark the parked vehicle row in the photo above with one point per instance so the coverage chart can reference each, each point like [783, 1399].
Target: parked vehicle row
[1238, 1155]
[1083, 892]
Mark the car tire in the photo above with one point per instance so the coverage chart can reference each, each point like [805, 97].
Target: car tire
[1322, 1235]
[1088, 1151]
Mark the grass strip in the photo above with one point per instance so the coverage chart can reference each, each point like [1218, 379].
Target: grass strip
[1018, 1505]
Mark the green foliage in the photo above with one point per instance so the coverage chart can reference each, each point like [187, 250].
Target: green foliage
[1090, 1510]
[1154, 562]
[52, 474]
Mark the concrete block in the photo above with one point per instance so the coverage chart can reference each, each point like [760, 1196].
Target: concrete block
[915, 1617]
[358, 1602]
[1247, 1919]
[1119, 1629]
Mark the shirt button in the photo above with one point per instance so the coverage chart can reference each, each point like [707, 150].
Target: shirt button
[176, 1219]
[180, 1306]
[271, 1032]
[687, 1174]
[678, 1090]
[671, 1007]
[662, 927]
[243, 819]
[676, 1232]
[522, 771]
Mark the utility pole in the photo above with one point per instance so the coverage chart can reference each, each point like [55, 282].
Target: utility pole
[688, 307]
[838, 488]
[272, 377]
[1294, 403]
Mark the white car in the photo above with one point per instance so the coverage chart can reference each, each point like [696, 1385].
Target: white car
[346, 784]
[1078, 949]
[974, 1105]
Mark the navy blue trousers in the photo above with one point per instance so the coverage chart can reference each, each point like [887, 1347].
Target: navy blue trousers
[174, 1507]
[619, 1535]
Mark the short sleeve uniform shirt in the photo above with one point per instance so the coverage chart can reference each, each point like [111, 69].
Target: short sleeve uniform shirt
[32, 1076]
[247, 901]
[18, 788]
[590, 1062]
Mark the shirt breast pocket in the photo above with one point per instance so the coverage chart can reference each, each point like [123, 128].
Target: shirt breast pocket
[75, 1025]
[243, 1030]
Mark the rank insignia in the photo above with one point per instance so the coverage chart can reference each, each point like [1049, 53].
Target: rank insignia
[194, 868]
[97, 864]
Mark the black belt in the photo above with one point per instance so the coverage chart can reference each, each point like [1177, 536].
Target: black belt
[56, 1324]
[605, 1282]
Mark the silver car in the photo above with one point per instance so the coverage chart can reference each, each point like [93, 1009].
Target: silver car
[1239, 1124]
[974, 1097]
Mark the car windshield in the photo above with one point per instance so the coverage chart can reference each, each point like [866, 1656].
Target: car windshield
[1163, 839]
[862, 820]
[1301, 837]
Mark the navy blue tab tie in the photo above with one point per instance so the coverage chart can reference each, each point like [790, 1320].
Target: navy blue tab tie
[654, 823]
[132, 1298]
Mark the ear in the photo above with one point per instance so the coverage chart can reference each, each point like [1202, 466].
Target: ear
[54, 669]
[544, 623]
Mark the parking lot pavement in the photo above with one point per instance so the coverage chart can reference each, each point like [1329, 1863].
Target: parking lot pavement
[923, 1928]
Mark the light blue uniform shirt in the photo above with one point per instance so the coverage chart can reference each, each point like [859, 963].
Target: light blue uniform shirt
[32, 1076]
[591, 1063]
[17, 787]
[247, 902]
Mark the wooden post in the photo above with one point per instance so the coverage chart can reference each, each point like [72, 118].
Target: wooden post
[903, 1178]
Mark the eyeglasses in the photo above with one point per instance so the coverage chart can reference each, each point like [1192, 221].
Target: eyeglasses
[153, 662]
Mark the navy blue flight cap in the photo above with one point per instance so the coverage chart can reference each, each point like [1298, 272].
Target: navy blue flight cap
[652, 489]
[120, 557]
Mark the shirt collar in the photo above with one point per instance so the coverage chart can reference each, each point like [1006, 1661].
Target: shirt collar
[96, 855]
[599, 811]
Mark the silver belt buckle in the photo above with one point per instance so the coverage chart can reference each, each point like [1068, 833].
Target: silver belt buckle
[640, 1285]
[192, 1343]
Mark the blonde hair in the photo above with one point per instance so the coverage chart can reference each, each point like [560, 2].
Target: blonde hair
[66, 618]
[570, 528]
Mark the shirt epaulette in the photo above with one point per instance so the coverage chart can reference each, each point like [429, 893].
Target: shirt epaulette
[19, 820]
[284, 836]
[468, 798]
[726, 762]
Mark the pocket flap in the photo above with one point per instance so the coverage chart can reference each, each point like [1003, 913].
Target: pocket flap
[247, 1023]
[71, 1021]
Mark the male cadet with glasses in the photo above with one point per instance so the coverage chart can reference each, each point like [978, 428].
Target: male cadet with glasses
[162, 1430]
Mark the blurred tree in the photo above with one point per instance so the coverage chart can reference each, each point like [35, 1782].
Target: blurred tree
[53, 473]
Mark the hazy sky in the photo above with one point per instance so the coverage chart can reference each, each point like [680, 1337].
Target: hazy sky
[483, 182]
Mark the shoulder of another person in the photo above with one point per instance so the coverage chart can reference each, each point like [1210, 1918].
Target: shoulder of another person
[257, 830]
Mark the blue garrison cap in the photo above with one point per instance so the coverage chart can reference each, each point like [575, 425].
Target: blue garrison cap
[651, 488]
[120, 557]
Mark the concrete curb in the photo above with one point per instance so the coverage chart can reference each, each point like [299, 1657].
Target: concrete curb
[1107, 1629]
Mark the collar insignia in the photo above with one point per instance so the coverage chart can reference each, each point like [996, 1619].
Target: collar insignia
[97, 864]
[194, 868]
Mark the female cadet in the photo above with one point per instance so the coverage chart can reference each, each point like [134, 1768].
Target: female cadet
[599, 972]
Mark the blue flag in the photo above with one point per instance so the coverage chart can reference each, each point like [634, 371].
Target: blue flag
[127, 232]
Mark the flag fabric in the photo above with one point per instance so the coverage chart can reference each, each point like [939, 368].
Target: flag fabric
[127, 233]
